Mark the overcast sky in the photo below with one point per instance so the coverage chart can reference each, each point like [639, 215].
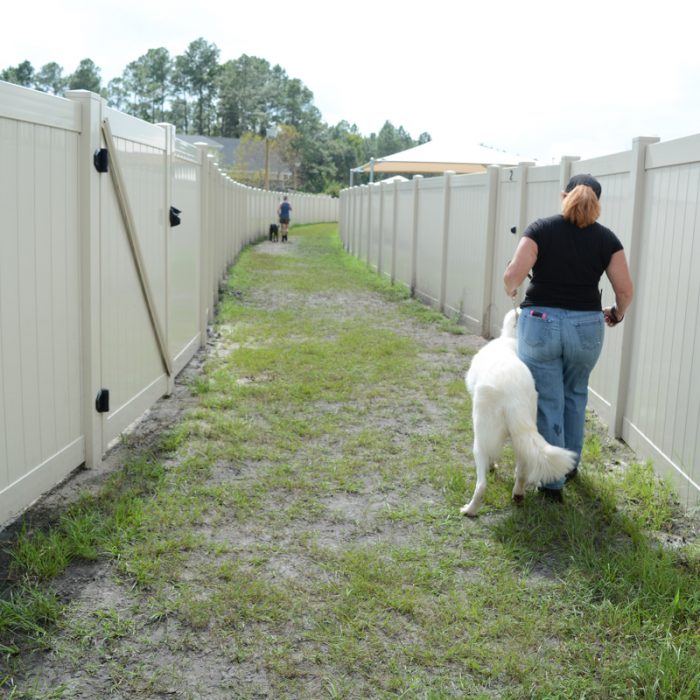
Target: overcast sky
[542, 79]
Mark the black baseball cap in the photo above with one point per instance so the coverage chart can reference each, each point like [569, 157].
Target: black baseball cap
[584, 179]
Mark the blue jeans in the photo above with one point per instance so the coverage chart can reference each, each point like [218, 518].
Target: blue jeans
[560, 347]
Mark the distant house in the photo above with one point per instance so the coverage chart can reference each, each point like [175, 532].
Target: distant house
[223, 148]
[244, 160]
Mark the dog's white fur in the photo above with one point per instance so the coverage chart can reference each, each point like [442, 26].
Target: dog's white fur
[504, 403]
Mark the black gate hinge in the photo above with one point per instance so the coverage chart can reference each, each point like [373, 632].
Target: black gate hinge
[102, 401]
[101, 160]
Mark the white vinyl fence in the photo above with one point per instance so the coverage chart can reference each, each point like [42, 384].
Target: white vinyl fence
[449, 239]
[102, 300]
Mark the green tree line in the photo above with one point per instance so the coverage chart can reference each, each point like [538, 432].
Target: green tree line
[241, 98]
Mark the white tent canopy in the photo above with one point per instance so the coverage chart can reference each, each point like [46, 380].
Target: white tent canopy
[438, 157]
[392, 179]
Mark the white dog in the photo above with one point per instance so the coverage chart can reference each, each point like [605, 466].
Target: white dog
[504, 402]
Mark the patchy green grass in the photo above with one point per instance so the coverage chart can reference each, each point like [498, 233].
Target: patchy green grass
[297, 534]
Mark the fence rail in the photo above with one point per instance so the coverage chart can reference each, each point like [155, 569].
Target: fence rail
[449, 239]
[85, 311]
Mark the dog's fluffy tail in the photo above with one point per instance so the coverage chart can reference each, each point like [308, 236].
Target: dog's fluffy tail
[546, 463]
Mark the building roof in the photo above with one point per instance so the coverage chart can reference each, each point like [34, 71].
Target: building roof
[438, 157]
[223, 146]
[251, 159]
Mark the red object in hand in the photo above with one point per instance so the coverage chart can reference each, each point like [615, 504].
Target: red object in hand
[612, 318]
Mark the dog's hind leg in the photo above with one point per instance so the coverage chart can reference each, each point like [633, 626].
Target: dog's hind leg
[482, 461]
[520, 481]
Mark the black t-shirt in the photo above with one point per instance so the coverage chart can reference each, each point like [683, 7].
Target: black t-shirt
[570, 263]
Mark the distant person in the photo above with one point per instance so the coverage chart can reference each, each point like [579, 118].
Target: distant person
[284, 212]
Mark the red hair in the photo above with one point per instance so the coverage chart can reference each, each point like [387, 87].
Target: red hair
[581, 206]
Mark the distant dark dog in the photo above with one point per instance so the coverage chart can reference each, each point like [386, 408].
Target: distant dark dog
[274, 232]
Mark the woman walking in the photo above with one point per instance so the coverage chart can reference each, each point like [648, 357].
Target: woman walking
[561, 324]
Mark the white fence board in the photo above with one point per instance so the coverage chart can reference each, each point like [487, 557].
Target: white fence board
[543, 189]
[505, 244]
[386, 229]
[21, 104]
[475, 221]
[430, 240]
[373, 206]
[40, 399]
[466, 247]
[404, 233]
[184, 261]
[364, 228]
[665, 392]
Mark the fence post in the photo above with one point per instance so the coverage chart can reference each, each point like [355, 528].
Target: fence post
[168, 174]
[447, 189]
[368, 190]
[522, 196]
[357, 223]
[492, 181]
[342, 221]
[380, 237]
[237, 197]
[91, 284]
[204, 243]
[637, 187]
[360, 220]
[414, 233]
[345, 217]
[394, 230]
[348, 197]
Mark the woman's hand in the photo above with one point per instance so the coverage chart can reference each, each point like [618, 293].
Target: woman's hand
[619, 275]
[612, 315]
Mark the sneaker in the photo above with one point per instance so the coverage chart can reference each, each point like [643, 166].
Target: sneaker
[554, 495]
[571, 475]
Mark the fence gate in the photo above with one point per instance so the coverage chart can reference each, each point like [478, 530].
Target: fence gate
[133, 255]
